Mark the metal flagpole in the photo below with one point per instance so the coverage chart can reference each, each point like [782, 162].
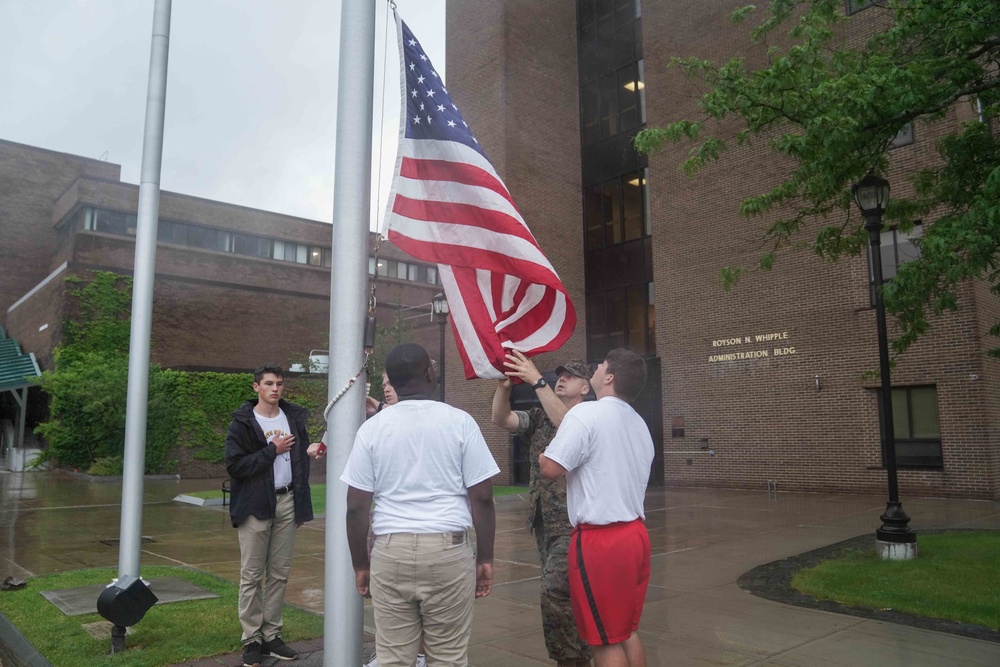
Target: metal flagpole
[142, 295]
[343, 608]
[126, 601]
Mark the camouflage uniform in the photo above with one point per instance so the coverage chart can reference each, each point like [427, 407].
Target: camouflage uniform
[548, 519]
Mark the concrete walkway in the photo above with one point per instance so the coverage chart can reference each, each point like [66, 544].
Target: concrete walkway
[703, 539]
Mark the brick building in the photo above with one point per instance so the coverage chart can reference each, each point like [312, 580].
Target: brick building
[763, 383]
[220, 269]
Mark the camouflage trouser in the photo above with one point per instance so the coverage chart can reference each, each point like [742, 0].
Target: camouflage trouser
[558, 625]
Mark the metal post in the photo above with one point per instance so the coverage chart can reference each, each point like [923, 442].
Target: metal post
[343, 607]
[896, 539]
[442, 321]
[142, 295]
[22, 403]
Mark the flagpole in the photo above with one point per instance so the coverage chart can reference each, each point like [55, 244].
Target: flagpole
[343, 607]
[127, 600]
[142, 295]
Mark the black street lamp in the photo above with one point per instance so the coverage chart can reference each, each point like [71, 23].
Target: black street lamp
[895, 540]
[440, 305]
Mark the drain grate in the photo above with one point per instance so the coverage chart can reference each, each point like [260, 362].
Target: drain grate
[114, 541]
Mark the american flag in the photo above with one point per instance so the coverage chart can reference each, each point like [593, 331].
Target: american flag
[449, 206]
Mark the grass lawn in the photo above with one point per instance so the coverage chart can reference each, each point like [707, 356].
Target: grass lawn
[168, 634]
[954, 577]
[319, 494]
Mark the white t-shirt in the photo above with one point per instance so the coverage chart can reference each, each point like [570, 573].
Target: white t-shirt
[272, 428]
[607, 449]
[418, 458]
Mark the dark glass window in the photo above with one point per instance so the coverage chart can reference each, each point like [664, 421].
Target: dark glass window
[315, 256]
[597, 326]
[903, 138]
[586, 20]
[590, 116]
[855, 6]
[432, 275]
[637, 313]
[617, 318]
[252, 246]
[896, 248]
[173, 232]
[593, 217]
[605, 17]
[612, 210]
[622, 317]
[624, 11]
[112, 222]
[203, 237]
[632, 198]
[628, 97]
[916, 425]
[609, 105]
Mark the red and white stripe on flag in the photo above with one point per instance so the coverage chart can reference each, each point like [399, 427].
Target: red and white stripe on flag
[449, 206]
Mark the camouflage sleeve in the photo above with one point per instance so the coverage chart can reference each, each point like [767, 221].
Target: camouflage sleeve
[523, 422]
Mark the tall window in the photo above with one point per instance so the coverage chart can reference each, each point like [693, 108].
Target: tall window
[896, 248]
[855, 6]
[916, 425]
[623, 317]
[616, 211]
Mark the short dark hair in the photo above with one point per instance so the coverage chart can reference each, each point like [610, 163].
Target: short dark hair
[259, 374]
[406, 363]
[629, 370]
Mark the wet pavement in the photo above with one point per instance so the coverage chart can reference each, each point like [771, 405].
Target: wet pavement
[702, 539]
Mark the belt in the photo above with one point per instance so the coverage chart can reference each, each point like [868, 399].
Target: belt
[456, 537]
[282, 490]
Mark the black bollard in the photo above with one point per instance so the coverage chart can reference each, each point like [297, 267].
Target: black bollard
[118, 639]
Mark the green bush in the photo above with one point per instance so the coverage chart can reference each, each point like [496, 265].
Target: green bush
[206, 402]
[87, 389]
[108, 466]
[87, 412]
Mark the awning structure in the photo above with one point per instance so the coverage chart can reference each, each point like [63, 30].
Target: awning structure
[17, 374]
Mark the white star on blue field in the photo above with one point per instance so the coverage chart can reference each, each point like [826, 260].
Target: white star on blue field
[430, 113]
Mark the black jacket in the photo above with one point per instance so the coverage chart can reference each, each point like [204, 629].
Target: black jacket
[250, 463]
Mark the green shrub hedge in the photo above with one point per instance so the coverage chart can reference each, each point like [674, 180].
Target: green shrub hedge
[85, 429]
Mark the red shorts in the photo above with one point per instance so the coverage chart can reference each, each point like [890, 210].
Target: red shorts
[608, 576]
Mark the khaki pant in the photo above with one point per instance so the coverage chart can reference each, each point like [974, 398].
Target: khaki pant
[423, 583]
[265, 557]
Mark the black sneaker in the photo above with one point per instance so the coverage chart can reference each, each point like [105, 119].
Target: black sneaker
[280, 650]
[251, 655]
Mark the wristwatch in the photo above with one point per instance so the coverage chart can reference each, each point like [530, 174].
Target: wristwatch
[541, 383]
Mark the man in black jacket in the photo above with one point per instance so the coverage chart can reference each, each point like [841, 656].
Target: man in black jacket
[270, 499]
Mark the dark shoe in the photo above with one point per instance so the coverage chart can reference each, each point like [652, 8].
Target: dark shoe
[251, 655]
[279, 650]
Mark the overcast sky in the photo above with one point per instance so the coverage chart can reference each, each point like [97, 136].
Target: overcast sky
[251, 90]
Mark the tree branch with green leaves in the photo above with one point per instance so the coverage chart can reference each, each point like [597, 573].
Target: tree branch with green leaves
[833, 110]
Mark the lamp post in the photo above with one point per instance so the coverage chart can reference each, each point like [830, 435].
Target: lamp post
[440, 305]
[894, 540]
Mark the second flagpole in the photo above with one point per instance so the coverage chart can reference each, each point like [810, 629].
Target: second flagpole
[343, 607]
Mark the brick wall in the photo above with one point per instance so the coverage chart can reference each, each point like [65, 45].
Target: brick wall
[512, 73]
[30, 181]
[764, 418]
